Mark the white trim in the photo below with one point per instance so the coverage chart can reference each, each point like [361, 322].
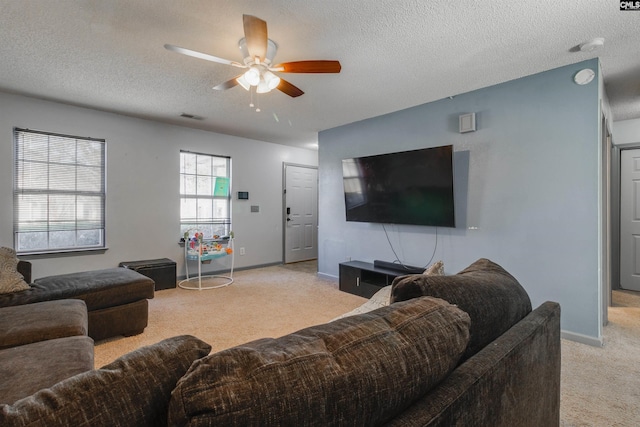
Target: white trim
[327, 276]
[583, 339]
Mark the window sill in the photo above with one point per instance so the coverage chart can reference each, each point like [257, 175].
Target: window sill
[61, 253]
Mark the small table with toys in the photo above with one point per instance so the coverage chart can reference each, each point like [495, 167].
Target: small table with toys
[197, 248]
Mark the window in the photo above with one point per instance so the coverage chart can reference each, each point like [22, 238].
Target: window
[353, 183]
[205, 201]
[59, 192]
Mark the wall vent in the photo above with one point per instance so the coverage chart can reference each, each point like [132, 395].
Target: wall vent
[467, 122]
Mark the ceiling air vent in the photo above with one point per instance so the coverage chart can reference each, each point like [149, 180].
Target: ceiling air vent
[191, 116]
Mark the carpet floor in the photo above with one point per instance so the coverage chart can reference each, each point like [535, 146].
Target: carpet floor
[600, 385]
[262, 302]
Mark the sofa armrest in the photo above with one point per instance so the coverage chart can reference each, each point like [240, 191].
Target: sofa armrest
[24, 268]
[513, 381]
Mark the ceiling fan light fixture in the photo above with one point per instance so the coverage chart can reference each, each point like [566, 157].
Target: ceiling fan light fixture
[272, 49]
[258, 52]
[252, 76]
[243, 82]
[263, 87]
[271, 79]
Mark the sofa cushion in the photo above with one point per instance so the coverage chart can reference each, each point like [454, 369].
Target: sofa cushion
[514, 382]
[360, 370]
[126, 319]
[10, 279]
[98, 289]
[40, 321]
[493, 298]
[134, 390]
[28, 368]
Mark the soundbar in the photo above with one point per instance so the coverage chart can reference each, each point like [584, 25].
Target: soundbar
[408, 269]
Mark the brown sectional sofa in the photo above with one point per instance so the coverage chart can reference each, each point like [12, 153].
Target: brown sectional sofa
[407, 364]
[42, 344]
[116, 298]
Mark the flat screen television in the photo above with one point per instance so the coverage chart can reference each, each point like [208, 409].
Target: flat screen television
[408, 187]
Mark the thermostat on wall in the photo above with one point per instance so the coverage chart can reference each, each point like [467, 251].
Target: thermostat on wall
[243, 195]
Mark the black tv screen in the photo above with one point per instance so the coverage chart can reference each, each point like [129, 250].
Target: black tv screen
[409, 187]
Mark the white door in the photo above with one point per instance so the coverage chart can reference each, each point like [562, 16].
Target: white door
[301, 213]
[630, 219]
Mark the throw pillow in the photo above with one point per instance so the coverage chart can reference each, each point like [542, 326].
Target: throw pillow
[134, 390]
[379, 299]
[493, 298]
[361, 370]
[382, 298]
[10, 279]
[435, 269]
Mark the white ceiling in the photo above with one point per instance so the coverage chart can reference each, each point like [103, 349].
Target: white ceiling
[395, 54]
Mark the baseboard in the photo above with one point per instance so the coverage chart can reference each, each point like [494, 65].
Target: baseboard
[328, 276]
[227, 270]
[583, 339]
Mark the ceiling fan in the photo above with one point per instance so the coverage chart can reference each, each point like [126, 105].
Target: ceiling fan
[258, 52]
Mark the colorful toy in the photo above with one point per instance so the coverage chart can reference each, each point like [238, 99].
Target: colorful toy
[205, 250]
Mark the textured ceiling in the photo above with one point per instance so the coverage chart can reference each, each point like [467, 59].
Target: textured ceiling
[395, 54]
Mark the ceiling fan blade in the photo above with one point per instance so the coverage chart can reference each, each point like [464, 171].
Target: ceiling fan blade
[201, 55]
[228, 84]
[309, 67]
[289, 89]
[255, 33]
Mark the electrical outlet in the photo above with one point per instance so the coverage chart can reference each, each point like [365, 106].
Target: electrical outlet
[242, 252]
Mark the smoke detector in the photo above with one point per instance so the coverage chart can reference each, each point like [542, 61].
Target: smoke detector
[584, 76]
[591, 45]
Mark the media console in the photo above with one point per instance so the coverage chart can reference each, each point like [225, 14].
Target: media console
[365, 278]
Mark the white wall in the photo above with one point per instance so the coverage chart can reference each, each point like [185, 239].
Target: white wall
[526, 189]
[143, 184]
[626, 132]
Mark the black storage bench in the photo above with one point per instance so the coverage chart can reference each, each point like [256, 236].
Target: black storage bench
[162, 271]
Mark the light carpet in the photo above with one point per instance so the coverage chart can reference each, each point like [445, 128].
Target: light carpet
[262, 302]
[600, 386]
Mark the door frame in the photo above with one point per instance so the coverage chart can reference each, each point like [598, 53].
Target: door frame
[615, 209]
[284, 204]
[606, 145]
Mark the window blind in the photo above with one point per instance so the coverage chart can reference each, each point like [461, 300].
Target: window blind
[59, 192]
[205, 197]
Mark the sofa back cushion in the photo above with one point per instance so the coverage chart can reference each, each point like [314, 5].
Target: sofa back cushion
[359, 370]
[493, 298]
[134, 390]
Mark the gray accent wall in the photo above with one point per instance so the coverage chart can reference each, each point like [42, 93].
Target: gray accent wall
[526, 189]
[142, 206]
